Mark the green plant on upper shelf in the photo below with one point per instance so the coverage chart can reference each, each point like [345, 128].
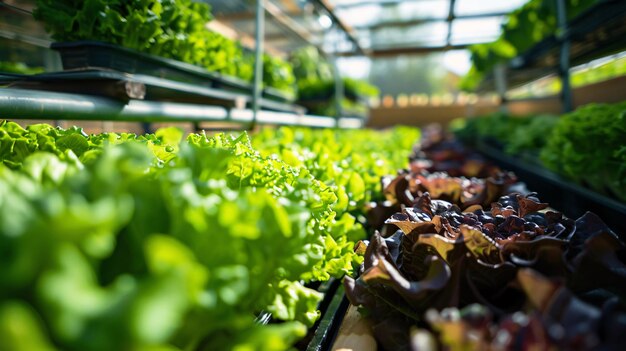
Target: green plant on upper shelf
[168, 28]
[354, 89]
[349, 108]
[312, 89]
[357, 88]
[309, 64]
[173, 29]
[278, 74]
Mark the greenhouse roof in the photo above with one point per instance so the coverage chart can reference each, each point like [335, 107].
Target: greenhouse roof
[369, 27]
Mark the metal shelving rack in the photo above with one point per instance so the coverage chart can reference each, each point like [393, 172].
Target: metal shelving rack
[140, 98]
[597, 32]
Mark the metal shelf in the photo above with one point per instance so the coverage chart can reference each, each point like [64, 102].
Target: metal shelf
[113, 95]
[597, 32]
[37, 104]
[125, 86]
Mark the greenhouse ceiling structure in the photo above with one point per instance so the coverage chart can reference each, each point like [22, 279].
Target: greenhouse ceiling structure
[372, 28]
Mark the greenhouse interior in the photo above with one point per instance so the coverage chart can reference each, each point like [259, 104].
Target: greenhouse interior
[200, 175]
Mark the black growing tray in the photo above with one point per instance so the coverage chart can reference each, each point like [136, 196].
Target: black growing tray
[571, 199]
[333, 307]
[87, 54]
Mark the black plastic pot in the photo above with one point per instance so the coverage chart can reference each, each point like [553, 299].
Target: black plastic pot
[94, 54]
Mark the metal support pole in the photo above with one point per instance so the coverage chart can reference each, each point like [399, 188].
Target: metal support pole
[258, 61]
[146, 127]
[325, 4]
[450, 19]
[564, 63]
[339, 90]
[196, 127]
[499, 74]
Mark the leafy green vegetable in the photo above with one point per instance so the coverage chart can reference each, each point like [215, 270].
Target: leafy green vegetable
[278, 74]
[309, 64]
[588, 145]
[169, 28]
[172, 243]
[517, 134]
[320, 89]
[20, 329]
[316, 86]
[133, 251]
[352, 162]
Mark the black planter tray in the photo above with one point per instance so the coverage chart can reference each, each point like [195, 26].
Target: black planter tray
[94, 54]
[311, 104]
[362, 99]
[571, 199]
[7, 77]
[314, 102]
[325, 97]
[329, 93]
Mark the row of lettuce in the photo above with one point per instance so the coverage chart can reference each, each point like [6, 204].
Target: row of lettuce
[165, 242]
[587, 146]
[467, 258]
[177, 29]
